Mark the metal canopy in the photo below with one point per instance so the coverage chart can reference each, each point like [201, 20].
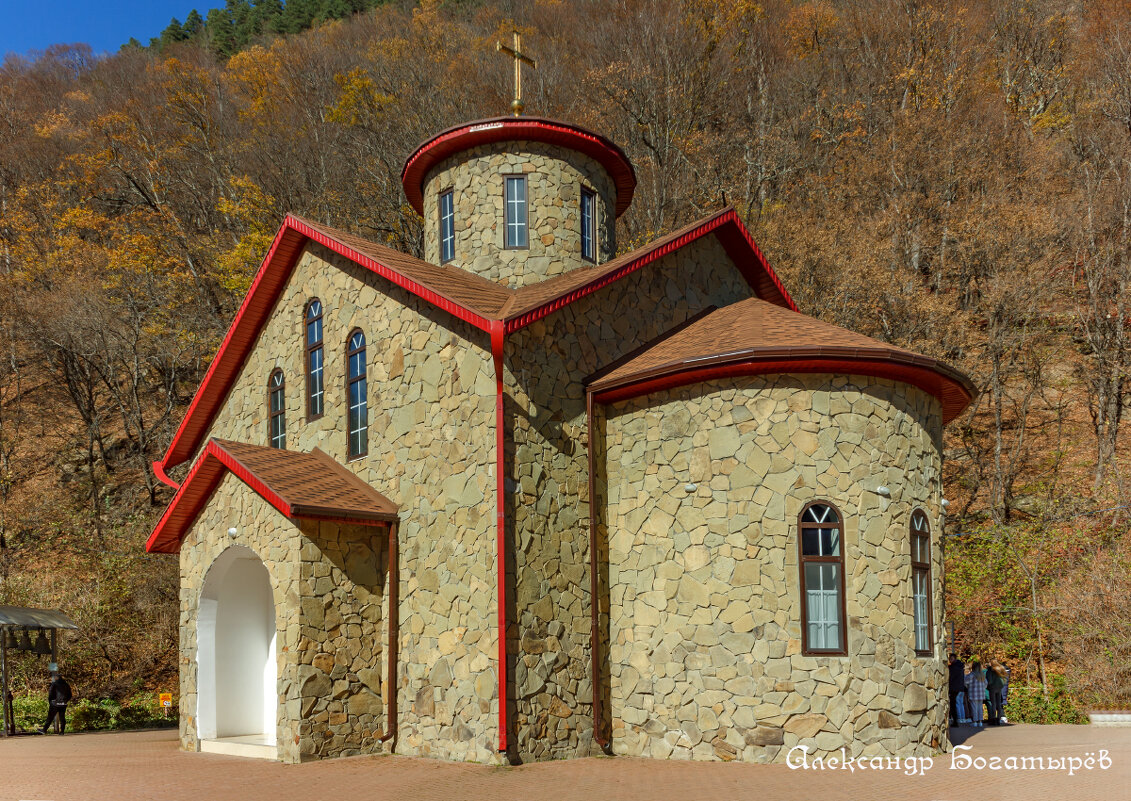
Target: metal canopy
[25, 618]
[34, 618]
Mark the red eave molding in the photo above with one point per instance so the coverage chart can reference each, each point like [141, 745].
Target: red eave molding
[198, 487]
[509, 129]
[293, 235]
[952, 395]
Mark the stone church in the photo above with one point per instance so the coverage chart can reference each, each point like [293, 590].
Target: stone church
[533, 497]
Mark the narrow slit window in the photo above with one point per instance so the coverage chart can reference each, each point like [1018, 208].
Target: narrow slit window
[516, 211]
[588, 224]
[276, 410]
[357, 397]
[315, 394]
[447, 227]
[822, 580]
[921, 581]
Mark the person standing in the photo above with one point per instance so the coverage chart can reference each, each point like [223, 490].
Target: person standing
[58, 696]
[995, 685]
[957, 686]
[977, 694]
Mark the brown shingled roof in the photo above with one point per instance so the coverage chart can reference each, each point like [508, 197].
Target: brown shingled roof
[464, 288]
[488, 306]
[297, 484]
[755, 333]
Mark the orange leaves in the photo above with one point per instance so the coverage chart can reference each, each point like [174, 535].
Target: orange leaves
[809, 26]
[256, 76]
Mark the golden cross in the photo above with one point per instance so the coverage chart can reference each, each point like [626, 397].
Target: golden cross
[519, 59]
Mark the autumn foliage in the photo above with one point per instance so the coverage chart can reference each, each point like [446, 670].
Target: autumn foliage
[953, 178]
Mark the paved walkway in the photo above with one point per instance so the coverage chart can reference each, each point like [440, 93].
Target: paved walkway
[147, 765]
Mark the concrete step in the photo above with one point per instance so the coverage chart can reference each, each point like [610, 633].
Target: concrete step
[251, 746]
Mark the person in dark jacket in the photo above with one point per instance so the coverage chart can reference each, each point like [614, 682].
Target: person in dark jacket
[957, 686]
[995, 684]
[58, 696]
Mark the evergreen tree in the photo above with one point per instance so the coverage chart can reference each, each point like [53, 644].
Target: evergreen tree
[298, 15]
[173, 33]
[194, 24]
[267, 15]
[221, 37]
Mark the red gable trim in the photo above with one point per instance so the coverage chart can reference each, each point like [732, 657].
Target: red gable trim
[265, 289]
[198, 488]
[508, 129]
[951, 394]
[733, 236]
[280, 261]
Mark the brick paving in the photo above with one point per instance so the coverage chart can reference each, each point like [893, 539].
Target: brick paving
[147, 765]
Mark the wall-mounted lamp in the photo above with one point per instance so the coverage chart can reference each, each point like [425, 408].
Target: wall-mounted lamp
[883, 492]
[945, 504]
[690, 487]
[232, 531]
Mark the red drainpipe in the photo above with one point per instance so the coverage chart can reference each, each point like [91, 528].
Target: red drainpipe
[497, 332]
[595, 637]
[159, 471]
[394, 636]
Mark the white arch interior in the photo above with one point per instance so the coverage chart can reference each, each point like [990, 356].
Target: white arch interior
[236, 663]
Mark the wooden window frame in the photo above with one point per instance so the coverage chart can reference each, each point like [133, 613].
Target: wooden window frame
[282, 412]
[309, 349]
[587, 192]
[449, 192]
[507, 178]
[803, 560]
[918, 567]
[350, 380]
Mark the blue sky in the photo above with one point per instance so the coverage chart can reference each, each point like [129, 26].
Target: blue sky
[104, 25]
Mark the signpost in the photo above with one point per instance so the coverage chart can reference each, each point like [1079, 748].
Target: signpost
[166, 703]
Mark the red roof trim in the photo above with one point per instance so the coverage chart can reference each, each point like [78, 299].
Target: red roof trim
[951, 394]
[201, 483]
[502, 129]
[293, 235]
[720, 224]
[251, 315]
[435, 298]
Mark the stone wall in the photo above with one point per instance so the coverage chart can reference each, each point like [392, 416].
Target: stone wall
[548, 478]
[343, 591]
[277, 543]
[431, 451]
[705, 620]
[554, 178]
[329, 589]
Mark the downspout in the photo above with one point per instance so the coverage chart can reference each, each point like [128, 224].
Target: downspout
[394, 638]
[159, 471]
[497, 332]
[595, 637]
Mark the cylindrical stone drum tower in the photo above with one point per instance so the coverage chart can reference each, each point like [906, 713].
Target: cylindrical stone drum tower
[519, 199]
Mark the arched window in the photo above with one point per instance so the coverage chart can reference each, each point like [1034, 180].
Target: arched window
[821, 549]
[921, 581]
[356, 395]
[276, 410]
[313, 339]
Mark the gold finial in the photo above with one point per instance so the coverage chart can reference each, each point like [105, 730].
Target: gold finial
[520, 58]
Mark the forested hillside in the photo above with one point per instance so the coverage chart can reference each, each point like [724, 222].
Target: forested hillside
[951, 177]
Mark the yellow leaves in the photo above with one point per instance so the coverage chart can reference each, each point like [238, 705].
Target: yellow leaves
[53, 123]
[256, 74]
[254, 211]
[809, 26]
[359, 102]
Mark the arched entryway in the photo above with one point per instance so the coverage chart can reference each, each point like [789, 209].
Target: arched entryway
[237, 698]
